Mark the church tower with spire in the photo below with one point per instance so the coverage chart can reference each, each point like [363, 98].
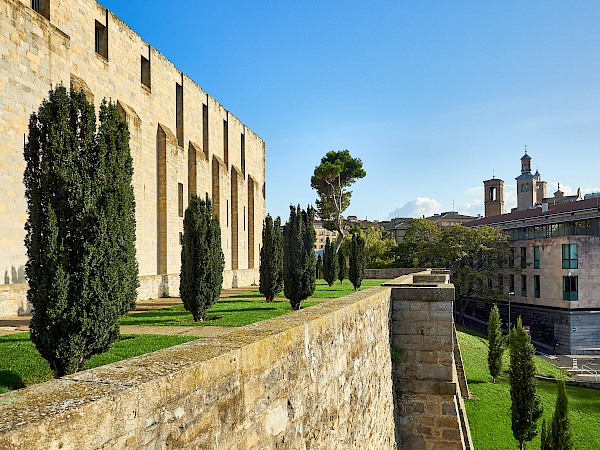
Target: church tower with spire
[527, 189]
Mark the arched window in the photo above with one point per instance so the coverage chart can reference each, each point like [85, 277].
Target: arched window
[522, 188]
[526, 187]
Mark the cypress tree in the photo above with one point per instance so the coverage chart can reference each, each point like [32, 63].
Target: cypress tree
[343, 269]
[526, 407]
[319, 271]
[545, 437]
[80, 237]
[495, 342]
[357, 261]
[559, 437]
[202, 260]
[271, 259]
[330, 263]
[299, 261]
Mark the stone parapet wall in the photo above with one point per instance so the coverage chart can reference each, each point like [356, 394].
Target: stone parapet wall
[388, 274]
[13, 300]
[319, 378]
[430, 413]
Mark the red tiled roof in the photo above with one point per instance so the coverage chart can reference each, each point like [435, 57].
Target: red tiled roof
[537, 212]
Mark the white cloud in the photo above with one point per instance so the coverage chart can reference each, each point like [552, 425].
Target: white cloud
[471, 208]
[420, 206]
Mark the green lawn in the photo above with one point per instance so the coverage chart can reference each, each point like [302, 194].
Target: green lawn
[489, 409]
[243, 309]
[21, 365]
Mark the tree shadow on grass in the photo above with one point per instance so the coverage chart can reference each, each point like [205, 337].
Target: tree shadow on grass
[11, 380]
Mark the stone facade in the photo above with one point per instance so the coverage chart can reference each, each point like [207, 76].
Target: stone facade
[326, 377]
[182, 140]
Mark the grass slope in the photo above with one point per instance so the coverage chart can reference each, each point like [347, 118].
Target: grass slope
[489, 409]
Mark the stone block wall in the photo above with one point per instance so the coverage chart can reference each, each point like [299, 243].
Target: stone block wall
[430, 414]
[319, 378]
[58, 46]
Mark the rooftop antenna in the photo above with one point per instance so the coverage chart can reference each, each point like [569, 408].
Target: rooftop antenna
[525, 148]
[493, 174]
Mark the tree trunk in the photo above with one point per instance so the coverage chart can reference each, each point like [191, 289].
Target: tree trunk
[339, 240]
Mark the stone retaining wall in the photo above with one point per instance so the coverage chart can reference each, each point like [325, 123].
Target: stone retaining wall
[319, 378]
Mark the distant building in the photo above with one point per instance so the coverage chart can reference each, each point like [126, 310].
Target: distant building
[554, 269]
[449, 219]
[397, 226]
[322, 234]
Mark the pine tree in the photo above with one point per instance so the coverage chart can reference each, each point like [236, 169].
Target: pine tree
[357, 261]
[271, 259]
[560, 437]
[202, 260]
[80, 238]
[299, 262]
[496, 343]
[343, 269]
[330, 263]
[319, 270]
[526, 407]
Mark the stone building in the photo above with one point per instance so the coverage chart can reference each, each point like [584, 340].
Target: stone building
[554, 269]
[183, 141]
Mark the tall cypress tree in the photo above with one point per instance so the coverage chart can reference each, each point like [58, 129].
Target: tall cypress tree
[271, 259]
[357, 261]
[80, 236]
[560, 437]
[343, 269]
[319, 270]
[202, 260]
[299, 261]
[495, 342]
[330, 263]
[526, 407]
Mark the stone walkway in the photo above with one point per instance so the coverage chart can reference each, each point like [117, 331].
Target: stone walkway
[9, 325]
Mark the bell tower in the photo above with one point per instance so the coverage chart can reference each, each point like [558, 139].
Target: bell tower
[494, 197]
[526, 185]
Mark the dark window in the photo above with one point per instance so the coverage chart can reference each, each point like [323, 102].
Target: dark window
[569, 256]
[511, 258]
[536, 286]
[179, 113]
[500, 282]
[536, 257]
[227, 211]
[243, 153]
[523, 257]
[570, 288]
[101, 40]
[180, 198]
[523, 285]
[205, 129]
[226, 143]
[511, 285]
[42, 7]
[145, 69]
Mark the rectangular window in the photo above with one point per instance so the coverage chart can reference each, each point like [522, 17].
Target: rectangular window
[145, 69]
[536, 286]
[523, 285]
[226, 143]
[570, 288]
[205, 129]
[42, 7]
[101, 40]
[500, 282]
[227, 211]
[536, 257]
[180, 198]
[523, 257]
[511, 284]
[179, 113]
[243, 153]
[511, 258]
[569, 256]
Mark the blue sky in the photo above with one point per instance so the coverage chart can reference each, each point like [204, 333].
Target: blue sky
[434, 97]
